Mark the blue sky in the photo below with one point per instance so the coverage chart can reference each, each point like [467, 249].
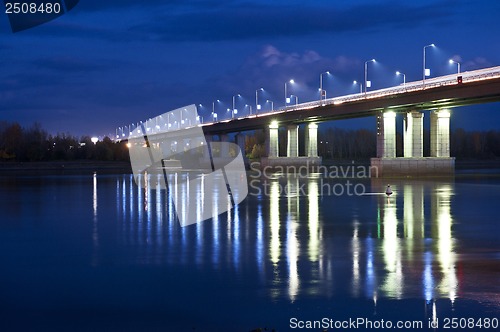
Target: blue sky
[107, 64]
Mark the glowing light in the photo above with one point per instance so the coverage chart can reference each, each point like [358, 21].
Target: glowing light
[94, 140]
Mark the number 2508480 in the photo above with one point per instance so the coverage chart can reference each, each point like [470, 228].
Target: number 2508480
[32, 8]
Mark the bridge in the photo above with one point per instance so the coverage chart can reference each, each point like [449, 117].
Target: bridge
[438, 95]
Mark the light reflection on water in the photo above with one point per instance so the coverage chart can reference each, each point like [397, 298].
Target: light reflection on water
[410, 252]
[432, 241]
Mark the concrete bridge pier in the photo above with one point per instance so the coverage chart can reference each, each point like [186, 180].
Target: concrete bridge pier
[440, 134]
[272, 140]
[292, 158]
[224, 148]
[292, 150]
[312, 140]
[413, 163]
[413, 135]
[386, 135]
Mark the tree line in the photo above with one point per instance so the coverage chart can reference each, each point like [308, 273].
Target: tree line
[338, 143]
[33, 143]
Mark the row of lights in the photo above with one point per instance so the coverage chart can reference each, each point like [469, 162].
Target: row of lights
[322, 92]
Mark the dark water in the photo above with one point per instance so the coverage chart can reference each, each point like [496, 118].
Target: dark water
[95, 252]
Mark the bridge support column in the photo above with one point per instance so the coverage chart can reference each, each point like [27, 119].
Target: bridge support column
[224, 148]
[413, 135]
[312, 140]
[293, 141]
[240, 141]
[440, 134]
[386, 135]
[272, 140]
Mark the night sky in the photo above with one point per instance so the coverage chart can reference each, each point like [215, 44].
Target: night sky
[105, 64]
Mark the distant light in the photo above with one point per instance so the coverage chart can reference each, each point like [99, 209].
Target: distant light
[328, 72]
[398, 73]
[292, 81]
[274, 124]
[433, 45]
[235, 111]
[129, 145]
[94, 140]
[354, 82]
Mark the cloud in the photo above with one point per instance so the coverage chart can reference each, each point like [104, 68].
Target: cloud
[477, 63]
[271, 67]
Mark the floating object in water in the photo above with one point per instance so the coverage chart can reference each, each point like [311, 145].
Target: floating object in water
[388, 191]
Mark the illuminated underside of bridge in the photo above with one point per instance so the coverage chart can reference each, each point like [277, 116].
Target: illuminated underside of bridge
[446, 95]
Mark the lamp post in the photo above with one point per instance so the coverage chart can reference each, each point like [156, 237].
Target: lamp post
[451, 61]
[360, 86]
[287, 100]
[366, 74]
[426, 72]
[321, 85]
[214, 115]
[257, 105]
[404, 77]
[235, 111]
[250, 108]
[272, 104]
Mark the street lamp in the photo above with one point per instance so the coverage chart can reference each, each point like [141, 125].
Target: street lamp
[451, 61]
[321, 91]
[250, 108]
[272, 104]
[368, 84]
[360, 86]
[287, 100]
[235, 111]
[257, 105]
[404, 77]
[214, 115]
[427, 72]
